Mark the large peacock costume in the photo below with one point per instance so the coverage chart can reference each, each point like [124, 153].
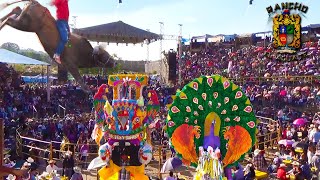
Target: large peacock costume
[211, 112]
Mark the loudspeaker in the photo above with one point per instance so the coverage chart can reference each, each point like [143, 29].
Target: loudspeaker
[172, 66]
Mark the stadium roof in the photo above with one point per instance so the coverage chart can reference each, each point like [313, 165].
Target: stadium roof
[14, 58]
[116, 32]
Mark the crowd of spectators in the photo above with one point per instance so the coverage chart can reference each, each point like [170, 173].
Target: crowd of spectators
[261, 74]
[25, 106]
[17, 98]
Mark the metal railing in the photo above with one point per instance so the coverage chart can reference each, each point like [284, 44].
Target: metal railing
[64, 110]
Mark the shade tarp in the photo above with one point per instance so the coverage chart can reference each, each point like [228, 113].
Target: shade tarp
[116, 32]
[37, 79]
[14, 58]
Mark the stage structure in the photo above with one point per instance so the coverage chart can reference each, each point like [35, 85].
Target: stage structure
[117, 32]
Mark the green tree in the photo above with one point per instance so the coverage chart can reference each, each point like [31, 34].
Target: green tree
[38, 55]
[115, 69]
[11, 47]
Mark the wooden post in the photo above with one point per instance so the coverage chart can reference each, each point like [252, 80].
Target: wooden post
[51, 152]
[160, 156]
[1, 143]
[98, 175]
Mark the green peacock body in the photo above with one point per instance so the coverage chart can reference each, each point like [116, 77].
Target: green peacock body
[219, 98]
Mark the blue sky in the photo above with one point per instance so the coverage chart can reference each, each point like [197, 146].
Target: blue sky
[197, 16]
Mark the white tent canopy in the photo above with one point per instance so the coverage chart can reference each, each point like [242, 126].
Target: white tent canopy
[14, 58]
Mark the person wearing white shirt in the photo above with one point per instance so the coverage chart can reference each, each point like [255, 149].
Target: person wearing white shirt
[51, 167]
[310, 153]
[312, 133]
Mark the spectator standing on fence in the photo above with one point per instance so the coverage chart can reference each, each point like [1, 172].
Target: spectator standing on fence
[68, 164]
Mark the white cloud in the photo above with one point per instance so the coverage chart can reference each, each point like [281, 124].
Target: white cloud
[23, 39]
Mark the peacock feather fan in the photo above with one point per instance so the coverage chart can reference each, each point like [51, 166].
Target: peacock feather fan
[211, 111]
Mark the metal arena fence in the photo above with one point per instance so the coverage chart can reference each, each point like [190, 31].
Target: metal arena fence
[47, 150]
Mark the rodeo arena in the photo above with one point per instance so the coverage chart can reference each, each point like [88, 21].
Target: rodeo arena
[216, 107]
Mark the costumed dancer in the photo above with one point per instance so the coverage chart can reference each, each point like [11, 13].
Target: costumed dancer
[62, 26]
[209, 165]
[125, 126]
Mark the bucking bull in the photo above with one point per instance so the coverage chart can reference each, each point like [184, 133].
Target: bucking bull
[80, 54]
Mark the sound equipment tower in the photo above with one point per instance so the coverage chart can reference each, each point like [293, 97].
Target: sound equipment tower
[172, 66]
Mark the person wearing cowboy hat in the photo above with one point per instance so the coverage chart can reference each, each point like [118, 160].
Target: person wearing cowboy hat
[294, 170]
[249, 173]
[77, 174]
[26, 167]
[51, 167]
[33, 168]
[7, 161]
[33, 165]
[281, 172]
[68, 164]
[275, 163]
[259, 161]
